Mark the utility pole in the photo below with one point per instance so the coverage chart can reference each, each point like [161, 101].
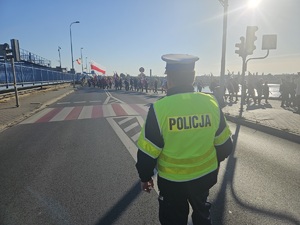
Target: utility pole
[73, 71]
[224, 3]
[81, 60]
[59, 48]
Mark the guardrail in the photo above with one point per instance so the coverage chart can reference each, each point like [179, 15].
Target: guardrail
[27, 76]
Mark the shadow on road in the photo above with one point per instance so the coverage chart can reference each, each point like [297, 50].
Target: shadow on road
[219, 206]
[111, 216]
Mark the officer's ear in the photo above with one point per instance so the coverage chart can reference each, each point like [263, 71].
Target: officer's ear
[170, 82]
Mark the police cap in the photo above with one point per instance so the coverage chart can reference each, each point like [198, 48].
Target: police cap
[179, 62]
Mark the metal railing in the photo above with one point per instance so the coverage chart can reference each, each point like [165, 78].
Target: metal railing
[33, 58]
[30, 76]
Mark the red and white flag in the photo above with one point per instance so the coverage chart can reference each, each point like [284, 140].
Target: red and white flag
[78, 61]
[97, 67]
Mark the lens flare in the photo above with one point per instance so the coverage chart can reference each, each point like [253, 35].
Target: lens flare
[253, 3]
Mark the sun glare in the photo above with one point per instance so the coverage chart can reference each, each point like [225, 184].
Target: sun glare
[253, 3]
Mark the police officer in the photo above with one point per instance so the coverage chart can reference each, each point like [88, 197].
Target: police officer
[185, 137]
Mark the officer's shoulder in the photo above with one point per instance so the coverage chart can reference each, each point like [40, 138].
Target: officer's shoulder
[205, 95]
[160, 99]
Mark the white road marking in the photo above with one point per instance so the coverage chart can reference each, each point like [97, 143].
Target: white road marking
[79, 102]
[125, 120]
[62, 114]
[108, 97]
[63, 103]
[130, 127]
[136, 137]
[108, 111]
[129, 144]
[96, 101]
[86, 112]
[37, 116]
[129, 110]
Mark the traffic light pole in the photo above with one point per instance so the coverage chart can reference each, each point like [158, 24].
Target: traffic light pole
[244, 68]
[243, 95]
[245, 48]
[15, 81]
[263, 57]
[12, 54]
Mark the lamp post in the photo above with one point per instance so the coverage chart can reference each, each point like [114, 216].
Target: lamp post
[224, 3]
[59, 48]
[72, 51]
[81, 61]
[86, 64]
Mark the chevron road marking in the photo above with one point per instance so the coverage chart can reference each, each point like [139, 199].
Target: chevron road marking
[128, 143]
[130, 127]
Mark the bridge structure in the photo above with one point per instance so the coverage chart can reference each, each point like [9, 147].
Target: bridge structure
[32, 70]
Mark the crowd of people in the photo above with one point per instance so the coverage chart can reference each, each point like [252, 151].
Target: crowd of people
[128, 83]
[257, 88]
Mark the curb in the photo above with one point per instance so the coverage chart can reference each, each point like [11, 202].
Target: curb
[25, 116]
[269, 130]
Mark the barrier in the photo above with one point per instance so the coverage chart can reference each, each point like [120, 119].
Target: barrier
[31, 76]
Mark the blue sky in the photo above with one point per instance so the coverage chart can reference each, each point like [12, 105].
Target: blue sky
[124, 35]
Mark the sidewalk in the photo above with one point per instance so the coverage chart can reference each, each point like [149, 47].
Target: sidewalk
[269, 118]
[30, 102]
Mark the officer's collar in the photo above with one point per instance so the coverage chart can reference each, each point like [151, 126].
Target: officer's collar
[180, 89]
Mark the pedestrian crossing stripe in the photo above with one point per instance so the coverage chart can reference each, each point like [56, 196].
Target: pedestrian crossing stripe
[87, 112]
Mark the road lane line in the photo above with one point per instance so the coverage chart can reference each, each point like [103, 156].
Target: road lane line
[108, 97]
[118, 100]
[130, 110]
[96, 101]
[129, 144]
[63, 103]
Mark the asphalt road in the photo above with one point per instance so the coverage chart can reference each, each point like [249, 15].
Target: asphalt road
[74, 163]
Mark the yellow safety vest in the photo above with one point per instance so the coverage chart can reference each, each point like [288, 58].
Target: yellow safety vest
[188, 123]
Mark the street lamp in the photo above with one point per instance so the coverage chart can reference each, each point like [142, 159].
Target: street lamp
[224, 3]
[59, 48]
[72, 52]
[81, 61]
[86, 65]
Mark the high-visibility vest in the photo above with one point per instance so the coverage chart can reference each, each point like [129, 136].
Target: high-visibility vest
[188, 123]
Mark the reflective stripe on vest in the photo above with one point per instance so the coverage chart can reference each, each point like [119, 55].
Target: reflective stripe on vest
[223, 137]
[148, 147]
[187, 169]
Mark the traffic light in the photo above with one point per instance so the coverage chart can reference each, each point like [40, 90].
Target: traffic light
[15, 49]
[250, 39]
[241, 47]
[5, 51]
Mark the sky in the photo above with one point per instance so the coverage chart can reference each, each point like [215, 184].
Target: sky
[124, 35]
